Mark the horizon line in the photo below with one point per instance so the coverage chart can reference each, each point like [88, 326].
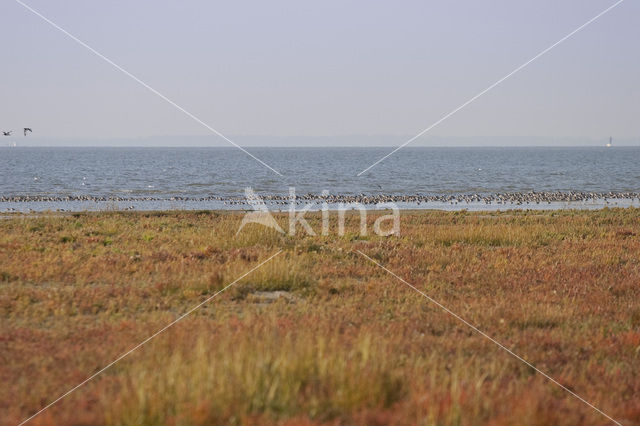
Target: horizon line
[320, 146]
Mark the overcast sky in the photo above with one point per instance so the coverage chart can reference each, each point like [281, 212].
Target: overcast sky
[288, 68]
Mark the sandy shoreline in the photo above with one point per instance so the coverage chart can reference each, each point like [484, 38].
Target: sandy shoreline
[474, 201]
[502, 197]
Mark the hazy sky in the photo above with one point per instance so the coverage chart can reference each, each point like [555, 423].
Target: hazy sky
[286, 68]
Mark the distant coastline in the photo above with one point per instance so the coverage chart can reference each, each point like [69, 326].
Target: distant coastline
[346, 141]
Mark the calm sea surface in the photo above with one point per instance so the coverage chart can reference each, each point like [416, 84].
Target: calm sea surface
[163, 173]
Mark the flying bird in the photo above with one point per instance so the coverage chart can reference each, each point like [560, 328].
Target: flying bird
[26, 129]
[7, 133]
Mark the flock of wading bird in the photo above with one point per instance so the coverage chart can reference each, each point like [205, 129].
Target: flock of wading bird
[514, 198]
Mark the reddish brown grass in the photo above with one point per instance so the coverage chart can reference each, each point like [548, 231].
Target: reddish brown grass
[351, 345]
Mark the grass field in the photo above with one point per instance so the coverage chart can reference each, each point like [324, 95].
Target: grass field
[319, 334]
